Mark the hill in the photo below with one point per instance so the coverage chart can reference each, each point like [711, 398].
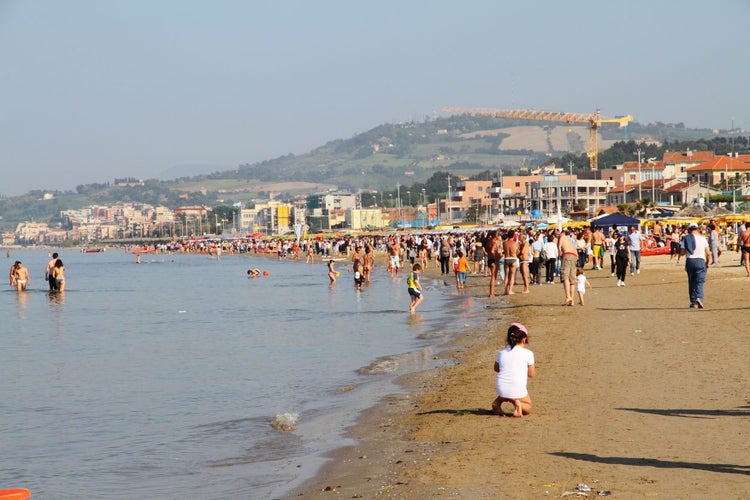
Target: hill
[407, 154]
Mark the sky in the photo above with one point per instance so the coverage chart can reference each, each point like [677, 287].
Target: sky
[95, 90]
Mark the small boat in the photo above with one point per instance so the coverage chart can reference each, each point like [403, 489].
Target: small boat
[15, 494]
[92, 250]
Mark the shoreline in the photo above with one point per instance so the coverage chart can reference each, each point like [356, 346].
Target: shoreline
[618, 390]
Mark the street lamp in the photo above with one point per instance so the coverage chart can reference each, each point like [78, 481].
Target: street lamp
[408, 194]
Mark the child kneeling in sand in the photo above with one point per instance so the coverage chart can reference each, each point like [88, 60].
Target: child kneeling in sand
[514, 365]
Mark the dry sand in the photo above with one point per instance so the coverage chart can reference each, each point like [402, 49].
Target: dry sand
[635, 394]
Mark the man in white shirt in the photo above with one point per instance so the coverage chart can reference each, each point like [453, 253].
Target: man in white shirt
[695, 248]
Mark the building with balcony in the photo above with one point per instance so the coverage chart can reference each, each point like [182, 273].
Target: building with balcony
[567, 192]
[726, 171]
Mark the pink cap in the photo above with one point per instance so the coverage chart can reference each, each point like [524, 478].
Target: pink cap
[520, 327]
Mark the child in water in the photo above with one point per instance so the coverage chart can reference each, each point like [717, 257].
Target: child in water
[415, 289]
[331, 272]
[581, 284]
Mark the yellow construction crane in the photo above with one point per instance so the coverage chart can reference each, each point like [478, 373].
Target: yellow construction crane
[593, 119]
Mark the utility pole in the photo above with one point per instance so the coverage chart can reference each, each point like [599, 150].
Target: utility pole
[574, 195]
[448, 201]
[398, 196]
[734, 188]
[640, 194]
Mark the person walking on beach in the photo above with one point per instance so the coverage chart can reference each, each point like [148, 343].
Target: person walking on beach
[622, 258]
[445, 256]
[743, 245]
[581, 284]
[598, 247]
[697, 253]
[21, 275]
[526, 257]
[48, 273]
[478, 251]
[462, 270]
[567, 250]
[494, 254]
[550, 257]
[634, 242]
[511, 250]
[674, 244]
[713, 243]
[415, 289]
[535, 268]
[611, 240]
[514, 365]
[394, 253]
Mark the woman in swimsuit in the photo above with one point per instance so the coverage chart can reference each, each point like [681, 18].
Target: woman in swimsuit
[331, 272]
[58, 272]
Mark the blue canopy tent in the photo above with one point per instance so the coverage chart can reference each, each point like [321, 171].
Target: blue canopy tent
[617, 220]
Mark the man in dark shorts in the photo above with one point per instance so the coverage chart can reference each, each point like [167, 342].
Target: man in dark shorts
[48, 273]
[743, 245]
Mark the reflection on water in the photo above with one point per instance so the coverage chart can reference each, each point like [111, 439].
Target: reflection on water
[23, 302]
[156, 381]
[56, 299]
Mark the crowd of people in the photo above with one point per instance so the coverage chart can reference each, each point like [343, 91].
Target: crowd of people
[526, 257]
[506, 257]
[54, 275]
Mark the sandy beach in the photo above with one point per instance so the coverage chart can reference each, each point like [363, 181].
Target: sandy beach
[636, 395]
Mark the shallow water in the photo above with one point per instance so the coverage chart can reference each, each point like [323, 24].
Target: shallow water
[161, 380]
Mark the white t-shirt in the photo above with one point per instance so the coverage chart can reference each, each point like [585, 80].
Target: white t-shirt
[514, 371]
[581, 283]
[550, 248]
[701, 244]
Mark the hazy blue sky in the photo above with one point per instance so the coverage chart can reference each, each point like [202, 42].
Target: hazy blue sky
[92, 90]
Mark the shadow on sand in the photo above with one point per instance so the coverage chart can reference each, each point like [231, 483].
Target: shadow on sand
[661, 464]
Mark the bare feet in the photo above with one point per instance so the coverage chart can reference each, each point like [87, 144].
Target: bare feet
[518, 413]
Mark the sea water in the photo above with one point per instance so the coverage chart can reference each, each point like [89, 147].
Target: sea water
[180, 377]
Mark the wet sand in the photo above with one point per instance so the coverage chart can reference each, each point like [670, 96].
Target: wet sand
[635, 394]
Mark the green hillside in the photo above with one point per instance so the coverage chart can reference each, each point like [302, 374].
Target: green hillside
[408, 154]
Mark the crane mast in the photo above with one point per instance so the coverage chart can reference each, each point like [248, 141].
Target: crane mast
[593, 119]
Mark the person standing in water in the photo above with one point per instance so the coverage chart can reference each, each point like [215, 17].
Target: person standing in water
[48, 273]
[58, 274]
[331, 273]
[415, 289]
[21, 275]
